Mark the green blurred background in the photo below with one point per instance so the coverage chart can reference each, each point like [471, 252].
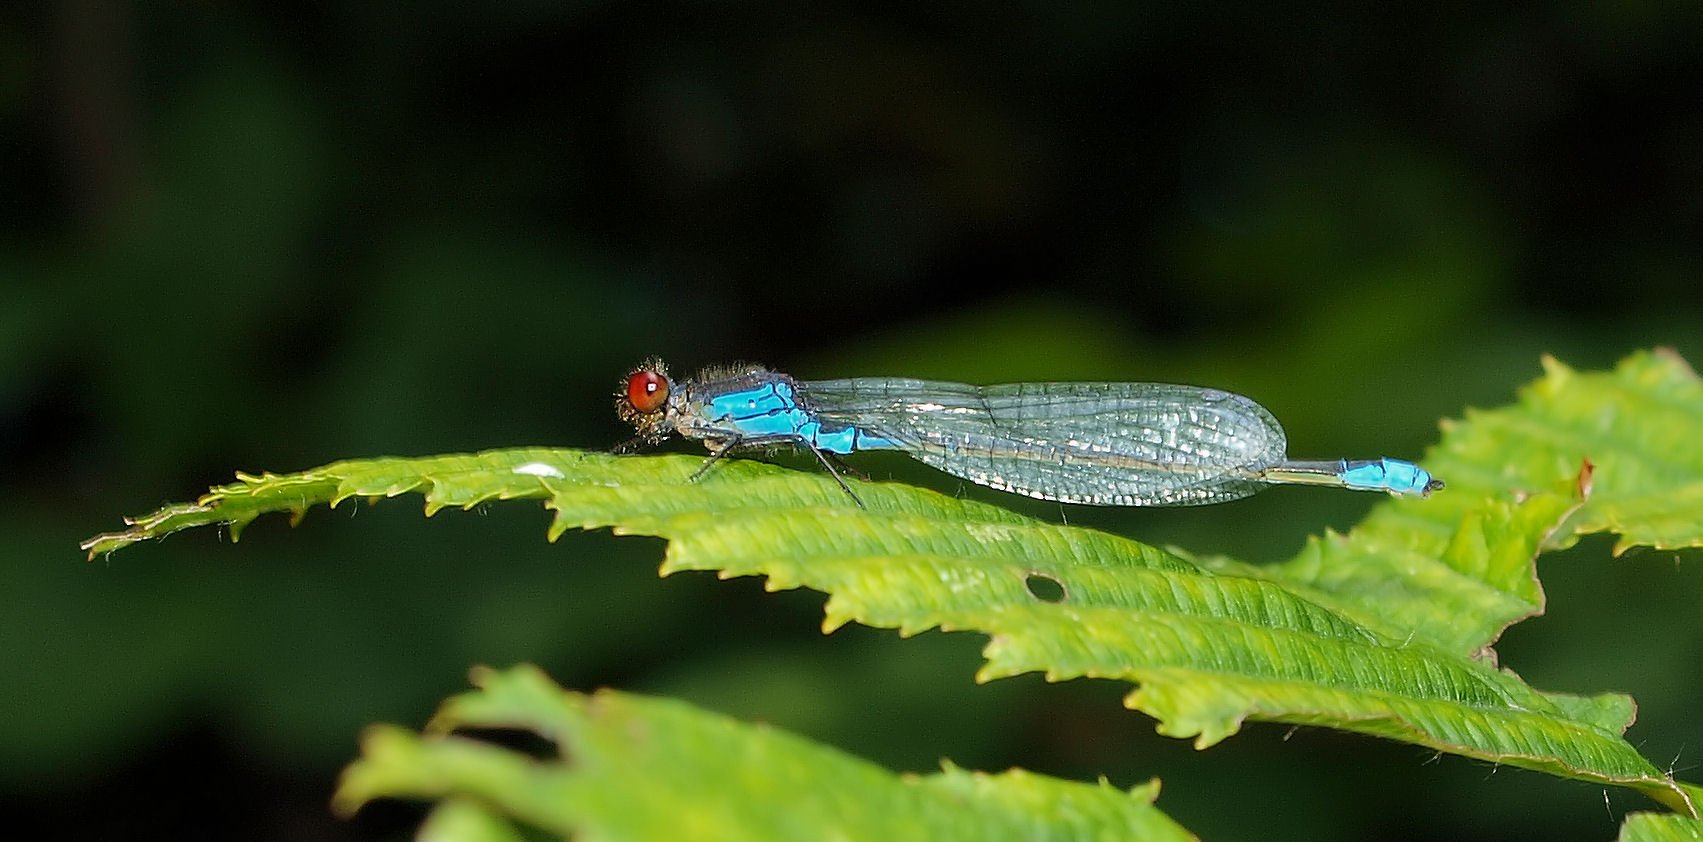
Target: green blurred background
[267, 236]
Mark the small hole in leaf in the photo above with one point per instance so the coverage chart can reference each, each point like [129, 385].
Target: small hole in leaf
[1044, 588]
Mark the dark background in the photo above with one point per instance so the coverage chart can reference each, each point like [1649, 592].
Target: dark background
[268, 236]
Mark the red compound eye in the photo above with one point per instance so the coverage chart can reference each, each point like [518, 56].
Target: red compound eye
[647, 391]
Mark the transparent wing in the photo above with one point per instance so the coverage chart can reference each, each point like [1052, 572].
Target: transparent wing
[1122, 444]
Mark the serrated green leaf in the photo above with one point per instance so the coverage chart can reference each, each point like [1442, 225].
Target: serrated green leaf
[631, 767]
[1639, 427]
[1578, 453]
[1383, 631]
[1626, 440]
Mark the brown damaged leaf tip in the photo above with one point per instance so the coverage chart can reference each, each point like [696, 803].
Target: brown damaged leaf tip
[140, 529]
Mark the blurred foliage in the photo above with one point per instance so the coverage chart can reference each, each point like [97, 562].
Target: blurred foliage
[620, 766]
[235, 237]
[1652, 827]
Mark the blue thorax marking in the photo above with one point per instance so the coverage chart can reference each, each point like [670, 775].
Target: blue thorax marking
[771, 411]
[1386, 475]
[767, 410]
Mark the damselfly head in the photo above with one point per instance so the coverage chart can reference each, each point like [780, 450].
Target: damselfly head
[642, 399]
